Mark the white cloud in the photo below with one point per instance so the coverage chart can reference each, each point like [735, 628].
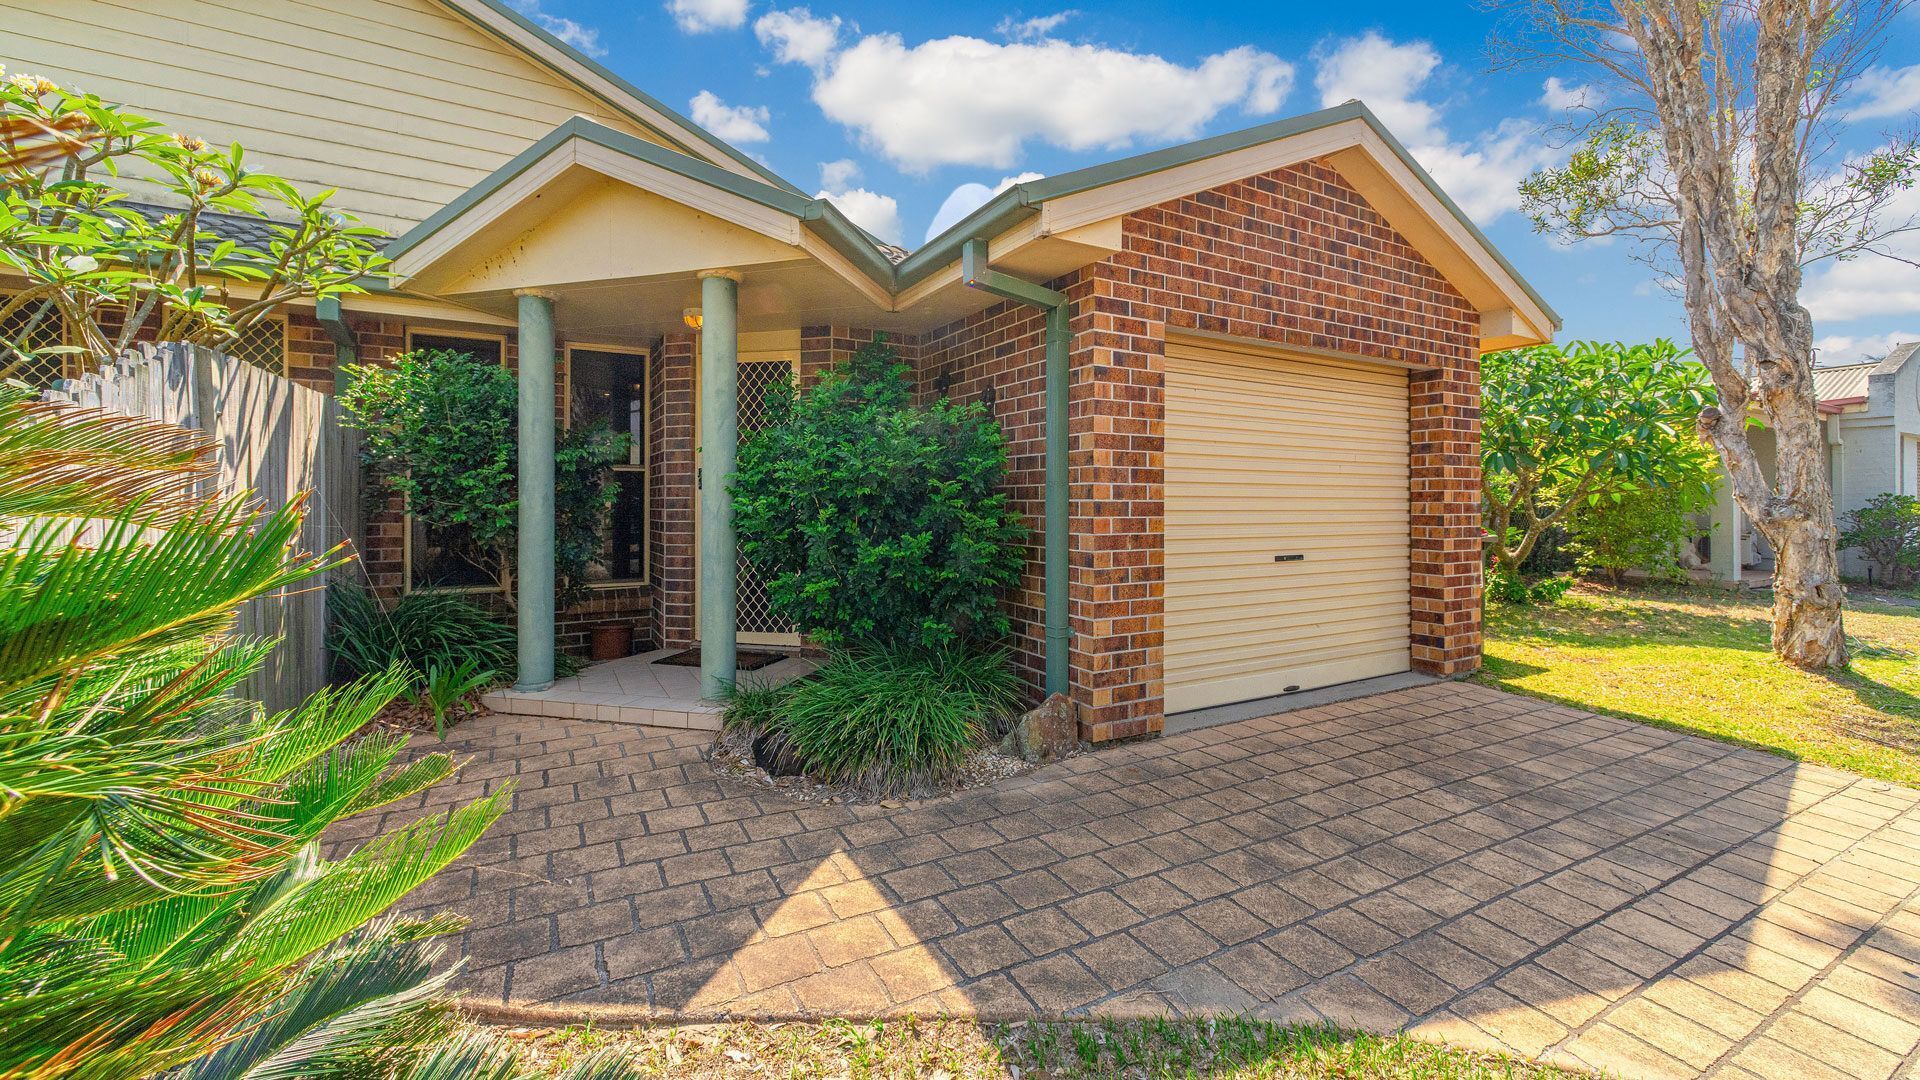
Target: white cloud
[1385, 76]
[1560, 96]
[1483, 173]
[839, 175]
[1882, 92]
[966, 101]
[967, 198]
[701, 16]
[878, 214]
[1870, 284]
[798, 36]
[731, 123]
[1032, 29]
[584, 38]
[1844, 349]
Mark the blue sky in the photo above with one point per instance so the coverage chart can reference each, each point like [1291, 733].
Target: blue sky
[900, 110]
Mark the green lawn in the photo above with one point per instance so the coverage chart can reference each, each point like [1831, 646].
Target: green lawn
[1224, 1049]
[1699, 661]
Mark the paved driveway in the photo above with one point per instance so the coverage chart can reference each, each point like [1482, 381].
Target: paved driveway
[1475, 867]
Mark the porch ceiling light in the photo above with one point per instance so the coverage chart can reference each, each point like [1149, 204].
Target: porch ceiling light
[691, 317]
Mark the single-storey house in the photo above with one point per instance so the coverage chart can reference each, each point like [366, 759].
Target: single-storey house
[1871, 414]
[1239, 377]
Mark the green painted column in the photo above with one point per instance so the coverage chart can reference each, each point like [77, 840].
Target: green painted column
[536, 433]
[719, 439]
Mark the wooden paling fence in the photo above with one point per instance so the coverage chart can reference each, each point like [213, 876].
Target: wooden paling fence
[276, 439]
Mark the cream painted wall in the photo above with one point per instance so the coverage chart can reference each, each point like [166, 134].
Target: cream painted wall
[400, 104]
[594, 234]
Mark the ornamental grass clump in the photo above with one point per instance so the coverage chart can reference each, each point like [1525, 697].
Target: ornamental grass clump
[894, 720]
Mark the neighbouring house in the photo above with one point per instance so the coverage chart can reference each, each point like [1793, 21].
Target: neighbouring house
[1870, 413]
[1239, 376]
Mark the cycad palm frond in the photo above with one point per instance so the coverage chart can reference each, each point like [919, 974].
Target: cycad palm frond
[65, 461]
[64, 607]
[368, 1000]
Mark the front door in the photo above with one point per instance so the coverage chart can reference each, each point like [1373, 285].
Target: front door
[755, 620]
[760, 369]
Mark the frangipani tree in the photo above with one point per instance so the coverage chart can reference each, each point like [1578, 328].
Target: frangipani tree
[98, 272]
[1712, 138]
[1564, 429]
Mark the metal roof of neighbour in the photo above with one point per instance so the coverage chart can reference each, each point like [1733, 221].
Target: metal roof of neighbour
[1845, 381]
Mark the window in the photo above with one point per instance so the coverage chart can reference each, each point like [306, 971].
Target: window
[489, 349]
[610, 386]
[433, 559]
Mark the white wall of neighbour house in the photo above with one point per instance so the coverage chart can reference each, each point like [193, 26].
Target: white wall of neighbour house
[399, 104]
[1877, 449]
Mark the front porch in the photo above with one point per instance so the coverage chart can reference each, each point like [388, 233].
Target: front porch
[638, 690]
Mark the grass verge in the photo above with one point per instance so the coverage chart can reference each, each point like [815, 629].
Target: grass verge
[1701, 662]
[956, 1049]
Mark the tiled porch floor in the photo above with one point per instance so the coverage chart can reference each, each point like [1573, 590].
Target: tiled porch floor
[1489, 870]
[635, 690]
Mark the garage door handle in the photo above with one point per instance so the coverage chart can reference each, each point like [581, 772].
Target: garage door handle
[1296, 557]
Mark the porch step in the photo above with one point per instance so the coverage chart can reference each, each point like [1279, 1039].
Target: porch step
[607, 708]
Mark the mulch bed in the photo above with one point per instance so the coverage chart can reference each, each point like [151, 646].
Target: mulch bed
[732, 758]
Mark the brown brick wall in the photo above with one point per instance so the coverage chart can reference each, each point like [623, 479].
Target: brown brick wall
[1295, 258]
[671, 487]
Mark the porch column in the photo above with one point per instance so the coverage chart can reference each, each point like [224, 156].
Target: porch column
[535, 578]
[719, 438]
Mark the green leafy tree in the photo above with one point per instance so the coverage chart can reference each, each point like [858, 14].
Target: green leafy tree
[1887, 532]
[1564, 430]
[1710, 135]
[99, 273]
[1644, 531]
[441, 431]
[876, 521]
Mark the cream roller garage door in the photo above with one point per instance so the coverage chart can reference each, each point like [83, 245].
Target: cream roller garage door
[1287, 524]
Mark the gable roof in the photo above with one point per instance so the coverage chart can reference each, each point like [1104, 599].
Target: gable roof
[576, 67]
[1349, 135]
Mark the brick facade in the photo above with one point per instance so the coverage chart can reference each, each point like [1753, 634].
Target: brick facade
[1294, 258]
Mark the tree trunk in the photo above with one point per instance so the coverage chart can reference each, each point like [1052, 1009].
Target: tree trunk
[1807, 596]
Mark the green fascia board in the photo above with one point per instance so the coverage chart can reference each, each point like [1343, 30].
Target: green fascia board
[713, 141]
[633, 146]
[1023, 200]
[1002, 212]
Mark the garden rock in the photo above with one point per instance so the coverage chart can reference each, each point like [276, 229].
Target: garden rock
[1045, 734]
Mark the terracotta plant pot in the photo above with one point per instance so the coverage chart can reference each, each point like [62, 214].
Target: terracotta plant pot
[612, 640]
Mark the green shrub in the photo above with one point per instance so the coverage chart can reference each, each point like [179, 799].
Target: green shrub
[441, 431]
[1887, 532]
[1641, 530]
[892, 720]
[875, 521]
[1507, 587]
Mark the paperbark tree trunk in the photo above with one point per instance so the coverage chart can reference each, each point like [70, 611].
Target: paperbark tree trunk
[1741, 275]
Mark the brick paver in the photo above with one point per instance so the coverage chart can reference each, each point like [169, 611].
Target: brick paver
[1467, 865]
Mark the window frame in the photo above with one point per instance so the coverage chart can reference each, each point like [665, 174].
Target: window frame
[407, 587]
[645, 465]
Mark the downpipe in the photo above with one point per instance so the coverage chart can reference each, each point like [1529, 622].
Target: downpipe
[976, 274]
